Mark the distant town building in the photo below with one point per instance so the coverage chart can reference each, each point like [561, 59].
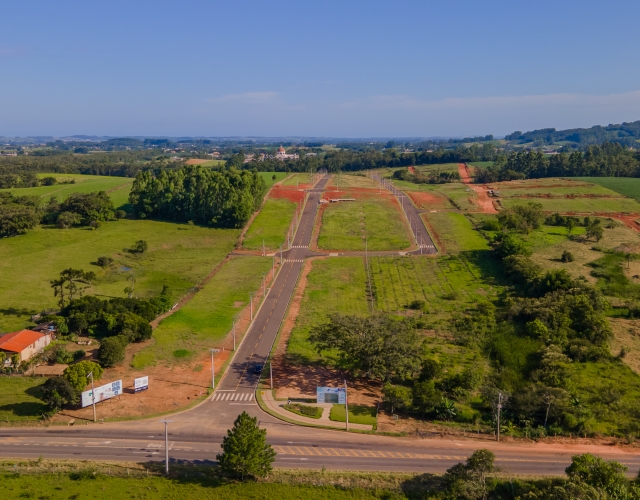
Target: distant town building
[25, 343]
[281, 154]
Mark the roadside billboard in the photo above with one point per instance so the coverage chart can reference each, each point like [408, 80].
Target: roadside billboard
[140, 384]
[336, 395]
[103, 392]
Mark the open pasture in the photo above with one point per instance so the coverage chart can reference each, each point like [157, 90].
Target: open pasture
[579, 205]
[446, 284]
[20, 401]
[624, 185]
[334, 285]
[117, 187]
[376, 217]
[302, 180]
[455, 232]
[271, 225]
[552, 188]
[339, 181]
[179, 256]
[205, 320]
[269, 177]
[438, 167]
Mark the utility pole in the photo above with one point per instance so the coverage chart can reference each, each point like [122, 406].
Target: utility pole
[234, 335]
[166, 445]
[251, 306]
[499, 409]
[213, 374]
[263, 247]
[271, 372]
[93, 396]
[281, 254]
[346, 405]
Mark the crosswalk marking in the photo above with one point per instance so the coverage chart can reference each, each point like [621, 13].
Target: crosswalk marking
[294, 260]
[233, 396]
[299, 246]
[426, 246]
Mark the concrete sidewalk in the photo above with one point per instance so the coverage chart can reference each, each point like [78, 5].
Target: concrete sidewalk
[276, 408]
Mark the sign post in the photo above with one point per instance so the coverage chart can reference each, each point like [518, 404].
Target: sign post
[140, 384]
[107, 391]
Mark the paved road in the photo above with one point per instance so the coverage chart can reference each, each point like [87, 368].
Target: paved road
[195, 435]
[241, 377]
[420, 233]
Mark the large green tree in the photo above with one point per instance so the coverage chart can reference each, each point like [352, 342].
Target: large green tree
[245, 452]
[76, 374]
[377, 346]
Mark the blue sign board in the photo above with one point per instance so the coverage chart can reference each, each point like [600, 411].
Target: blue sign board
[335, 395]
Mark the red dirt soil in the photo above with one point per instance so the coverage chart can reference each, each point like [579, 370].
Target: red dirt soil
[428, 200]
[412, 170]
[484, 202]
[289, 193]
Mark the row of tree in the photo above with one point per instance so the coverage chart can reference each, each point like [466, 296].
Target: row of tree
[216, 197]
[432, 177]
[608, 160]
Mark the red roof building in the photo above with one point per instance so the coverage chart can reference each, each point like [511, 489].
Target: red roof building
[26, 343]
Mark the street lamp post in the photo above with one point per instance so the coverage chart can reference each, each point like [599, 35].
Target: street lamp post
[166, 445]
[234, 335]
[93, 396]
[213, 371]
[346, 404]
[251, 306]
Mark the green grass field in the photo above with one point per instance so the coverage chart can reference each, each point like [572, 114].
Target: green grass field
[456, 232]
[270, 225]
[345, 225]
[20, 401]
[581, 205]
[179, 256]
[439, 167]
[446, 284]
[352, 181]
[297, 179]
[551, 186]
[61, 486]
[482, 164]
[117, 187]
[357, 414]
[627, 186]
[205, 320]
[334, 285]
[268, 177]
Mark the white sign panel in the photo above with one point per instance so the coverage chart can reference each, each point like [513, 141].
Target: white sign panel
[335, 395]
[140, 384]
[103, 392]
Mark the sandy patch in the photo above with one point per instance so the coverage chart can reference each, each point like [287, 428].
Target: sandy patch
[425, 200]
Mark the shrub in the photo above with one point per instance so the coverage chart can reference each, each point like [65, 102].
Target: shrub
[112, 350]
[491, 225]
[120, 214]
[104, 261]
[567, 256]
[56, 392]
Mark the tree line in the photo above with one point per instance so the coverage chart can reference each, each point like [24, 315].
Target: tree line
[19, 214]
[608, 160]
[216, 197]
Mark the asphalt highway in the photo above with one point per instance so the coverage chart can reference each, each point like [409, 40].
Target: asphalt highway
[195, 435]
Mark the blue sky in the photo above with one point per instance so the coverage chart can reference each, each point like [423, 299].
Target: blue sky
[316, 68]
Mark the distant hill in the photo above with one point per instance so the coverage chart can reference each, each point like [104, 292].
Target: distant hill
[627, 134]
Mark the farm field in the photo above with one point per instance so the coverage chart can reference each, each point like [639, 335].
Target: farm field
[438, 167]
[445, 284]
[345, 224]
[271, 225]
[179, 256]
[117, 187]
[205, 320]
[205, 163]
[455, 232]
[624, 185]
[579, 205]
[20, 400]
[482, 164]
[551, 187]
[334, 285]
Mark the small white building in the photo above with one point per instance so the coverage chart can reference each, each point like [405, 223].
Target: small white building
[26, 343]
[281, 154]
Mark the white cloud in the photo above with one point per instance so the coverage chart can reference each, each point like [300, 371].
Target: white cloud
[245, 98]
